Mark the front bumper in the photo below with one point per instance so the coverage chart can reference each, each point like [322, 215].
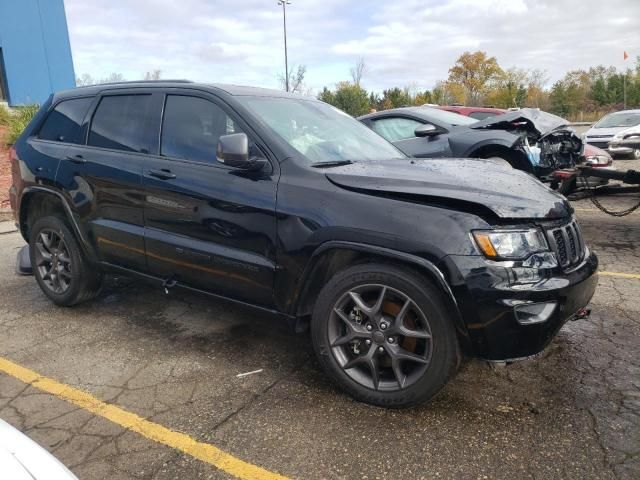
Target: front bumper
[617, 149]
[488, 298]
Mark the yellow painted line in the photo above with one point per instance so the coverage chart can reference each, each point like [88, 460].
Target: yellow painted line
[619, 274]
[153, 431]
[586, 209]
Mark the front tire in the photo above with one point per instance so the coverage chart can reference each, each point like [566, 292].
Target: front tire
[60, 267]
[385, 335]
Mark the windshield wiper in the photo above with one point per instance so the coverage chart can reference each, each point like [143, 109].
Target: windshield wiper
[333, 163]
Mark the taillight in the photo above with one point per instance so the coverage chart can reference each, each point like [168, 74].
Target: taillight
[564, 173]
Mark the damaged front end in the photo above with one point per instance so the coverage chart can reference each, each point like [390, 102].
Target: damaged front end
[546, 139]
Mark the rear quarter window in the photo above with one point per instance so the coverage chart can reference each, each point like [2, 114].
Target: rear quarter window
[64, 122]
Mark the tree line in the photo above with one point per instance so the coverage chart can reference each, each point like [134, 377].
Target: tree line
[478, 80]
[475, 79]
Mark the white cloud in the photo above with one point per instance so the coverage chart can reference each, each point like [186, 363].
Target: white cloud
[405, 42]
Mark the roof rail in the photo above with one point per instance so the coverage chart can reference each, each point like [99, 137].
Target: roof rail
[127, 82]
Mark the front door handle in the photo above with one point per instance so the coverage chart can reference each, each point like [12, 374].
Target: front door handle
[76, 159]
[163, 174]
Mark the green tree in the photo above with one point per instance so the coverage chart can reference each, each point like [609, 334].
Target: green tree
[421, 98]
[396, 97]
[510, 90]
[375, 101]
[348, 97]
[327, 96]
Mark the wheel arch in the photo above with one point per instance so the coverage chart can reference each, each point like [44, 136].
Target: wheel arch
[334, 256]
[36, 202]
[516, 158]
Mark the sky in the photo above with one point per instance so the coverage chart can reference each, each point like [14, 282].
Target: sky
[403, 42]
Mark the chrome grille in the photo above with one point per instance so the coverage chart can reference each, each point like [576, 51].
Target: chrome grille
[566, 242]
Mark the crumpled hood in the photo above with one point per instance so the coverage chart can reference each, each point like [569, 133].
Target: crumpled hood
[506, 192]
[536, 121]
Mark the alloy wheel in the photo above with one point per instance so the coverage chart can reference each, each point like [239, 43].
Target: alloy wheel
[380, 337]
[53, 261]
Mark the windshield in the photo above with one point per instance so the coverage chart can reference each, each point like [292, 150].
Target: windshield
[622, 119]
[444, 117]
[318, 131]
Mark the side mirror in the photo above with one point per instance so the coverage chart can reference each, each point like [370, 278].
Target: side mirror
[426, 130]
[233, 150]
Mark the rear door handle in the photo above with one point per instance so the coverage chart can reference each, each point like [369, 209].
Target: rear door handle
[163, 174]
[76, 159]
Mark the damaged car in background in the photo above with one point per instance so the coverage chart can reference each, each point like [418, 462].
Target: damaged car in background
[594, 157]
[527, 139]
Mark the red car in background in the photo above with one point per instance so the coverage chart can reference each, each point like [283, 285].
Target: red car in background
[479, 113]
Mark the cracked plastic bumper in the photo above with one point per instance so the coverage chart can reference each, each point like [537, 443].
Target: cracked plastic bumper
[488, 305]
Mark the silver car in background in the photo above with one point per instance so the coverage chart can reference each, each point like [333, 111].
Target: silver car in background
[608, 127]
[618, 148]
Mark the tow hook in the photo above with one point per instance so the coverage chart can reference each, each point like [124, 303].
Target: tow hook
[168, 283]
[581, 314]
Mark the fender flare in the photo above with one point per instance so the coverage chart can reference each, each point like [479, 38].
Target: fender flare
[32, 190]
[519, 156]
[422, 264]
[497, 142]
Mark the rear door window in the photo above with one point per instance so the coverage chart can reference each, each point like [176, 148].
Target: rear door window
[64, 123]
[191, 128]
[121, 122]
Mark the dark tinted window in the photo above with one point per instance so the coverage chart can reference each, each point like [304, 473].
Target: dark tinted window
[63, 123]
[121, 122]
[191, 128]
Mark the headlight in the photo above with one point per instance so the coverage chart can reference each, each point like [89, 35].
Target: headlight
[511, 244]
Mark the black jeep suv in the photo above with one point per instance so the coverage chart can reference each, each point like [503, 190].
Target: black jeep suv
[289, 205]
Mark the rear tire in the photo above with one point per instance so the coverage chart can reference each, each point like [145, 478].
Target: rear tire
[59, 265]
[389, 358]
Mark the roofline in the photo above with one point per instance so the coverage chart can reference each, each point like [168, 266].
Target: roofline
[226, 89]
[133, 82]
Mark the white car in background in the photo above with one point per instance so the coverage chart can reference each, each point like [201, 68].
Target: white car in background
[608, 127]
[23, 459]
[615, 148]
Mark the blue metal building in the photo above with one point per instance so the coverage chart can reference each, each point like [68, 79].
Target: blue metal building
[35, 54]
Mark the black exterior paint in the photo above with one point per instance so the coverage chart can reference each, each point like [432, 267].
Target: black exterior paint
[264, 237]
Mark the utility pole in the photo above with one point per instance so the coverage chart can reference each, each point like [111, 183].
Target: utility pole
[625, 55]
[284, 4]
